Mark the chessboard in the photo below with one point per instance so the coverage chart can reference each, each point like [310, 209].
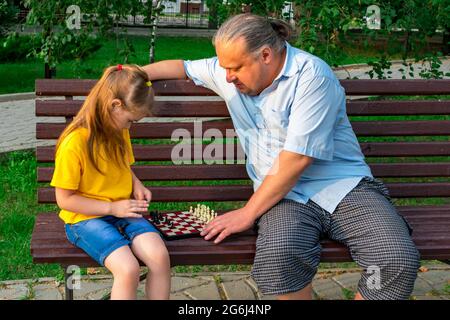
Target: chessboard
[176, 225]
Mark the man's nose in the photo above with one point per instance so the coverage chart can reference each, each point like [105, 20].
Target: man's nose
[230, 76]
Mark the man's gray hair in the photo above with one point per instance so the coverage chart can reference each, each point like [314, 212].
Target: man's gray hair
[257, 31]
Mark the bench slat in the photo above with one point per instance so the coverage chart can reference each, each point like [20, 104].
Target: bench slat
[81, 87]
[69, 108]
[234, 172]
[370, 149]
[243, 192]
[165, 130]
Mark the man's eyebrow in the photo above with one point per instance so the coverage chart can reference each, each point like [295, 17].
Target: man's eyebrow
[232, 67]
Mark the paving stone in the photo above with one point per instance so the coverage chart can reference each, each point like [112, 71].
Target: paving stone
[426, 298]
[436, 278]
[92, 290]
[229, 276]
[204, 292]
[14, 291]
[46, 289]
[348, 280]
[179, 296]
[421, 287]
[327, 289]
[180, 283]
[238, 290]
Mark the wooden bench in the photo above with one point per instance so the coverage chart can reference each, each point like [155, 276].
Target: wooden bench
[401, 150]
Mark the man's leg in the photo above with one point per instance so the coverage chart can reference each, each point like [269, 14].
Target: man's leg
[379, 241]
[288, 249]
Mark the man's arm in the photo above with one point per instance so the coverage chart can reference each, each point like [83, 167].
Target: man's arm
[283, 176]
[167, 69]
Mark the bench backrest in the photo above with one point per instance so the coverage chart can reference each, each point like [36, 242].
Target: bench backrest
[406, 142]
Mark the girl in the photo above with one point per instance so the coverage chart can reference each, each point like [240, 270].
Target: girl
[94, 184]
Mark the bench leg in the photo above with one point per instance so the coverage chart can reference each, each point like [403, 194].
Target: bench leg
[68, 275]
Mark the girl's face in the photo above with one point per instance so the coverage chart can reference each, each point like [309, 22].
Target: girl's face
[124, 118]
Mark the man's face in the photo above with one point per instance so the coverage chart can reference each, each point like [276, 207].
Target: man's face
[245, 70]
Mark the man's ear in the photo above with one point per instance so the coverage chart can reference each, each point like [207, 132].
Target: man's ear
[267, 55]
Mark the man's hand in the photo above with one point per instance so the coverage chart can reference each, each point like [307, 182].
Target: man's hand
[226, 224]
[129, 208]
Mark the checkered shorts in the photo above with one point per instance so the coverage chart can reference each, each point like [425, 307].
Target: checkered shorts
[379, 239]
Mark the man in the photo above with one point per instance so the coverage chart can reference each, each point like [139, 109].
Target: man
[309, 174]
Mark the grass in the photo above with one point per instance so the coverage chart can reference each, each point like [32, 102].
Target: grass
[19, 76]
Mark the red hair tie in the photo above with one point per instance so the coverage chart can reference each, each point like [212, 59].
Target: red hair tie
[119, 67]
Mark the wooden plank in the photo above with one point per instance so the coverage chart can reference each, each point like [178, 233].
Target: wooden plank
[370, 149]
[161, 130]
[392, 108]
[65, 108]
[243, 192]
[81, 87]
[396, 87]
[238, 171]
[164, 152]
[405, 149]
[179, 194]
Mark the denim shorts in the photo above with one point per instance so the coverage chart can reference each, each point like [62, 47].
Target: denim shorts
[99, 237]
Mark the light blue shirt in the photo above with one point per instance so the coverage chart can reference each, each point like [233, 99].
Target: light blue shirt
[302, 111]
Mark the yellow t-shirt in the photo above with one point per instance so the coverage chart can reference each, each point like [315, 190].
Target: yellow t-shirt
[74, 171]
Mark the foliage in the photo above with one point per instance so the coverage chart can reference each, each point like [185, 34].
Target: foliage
[17, 48]
[8, 13]
[325, 27]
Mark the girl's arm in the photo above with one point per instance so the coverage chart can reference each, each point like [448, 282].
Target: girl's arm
[72, 201]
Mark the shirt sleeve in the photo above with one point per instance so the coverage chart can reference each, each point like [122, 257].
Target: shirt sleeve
[67, 174]
[313, 118]
[203, 72]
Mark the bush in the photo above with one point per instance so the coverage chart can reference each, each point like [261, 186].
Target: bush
[17, 48]
[8, 14]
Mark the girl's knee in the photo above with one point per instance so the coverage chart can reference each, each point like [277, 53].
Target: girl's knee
[128, 268]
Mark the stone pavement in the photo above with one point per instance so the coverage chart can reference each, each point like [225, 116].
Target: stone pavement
[433, 283]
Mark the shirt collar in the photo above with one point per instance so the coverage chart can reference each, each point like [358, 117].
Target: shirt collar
[289, 68]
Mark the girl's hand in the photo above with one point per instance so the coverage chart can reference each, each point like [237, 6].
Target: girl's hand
[129, 208]
[140, 192]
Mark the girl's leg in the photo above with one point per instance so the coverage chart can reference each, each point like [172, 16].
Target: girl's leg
[150, 249]
[125, 268]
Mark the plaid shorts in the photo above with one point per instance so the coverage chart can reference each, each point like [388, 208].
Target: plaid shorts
[378, 237]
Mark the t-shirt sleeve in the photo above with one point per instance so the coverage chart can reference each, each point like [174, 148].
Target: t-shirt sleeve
[67, 172]
[313, 118]
[203, 72]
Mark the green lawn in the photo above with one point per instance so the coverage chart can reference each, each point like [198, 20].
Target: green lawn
[19, 76]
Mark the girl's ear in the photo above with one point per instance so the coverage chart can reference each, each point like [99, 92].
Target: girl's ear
[115, 104]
